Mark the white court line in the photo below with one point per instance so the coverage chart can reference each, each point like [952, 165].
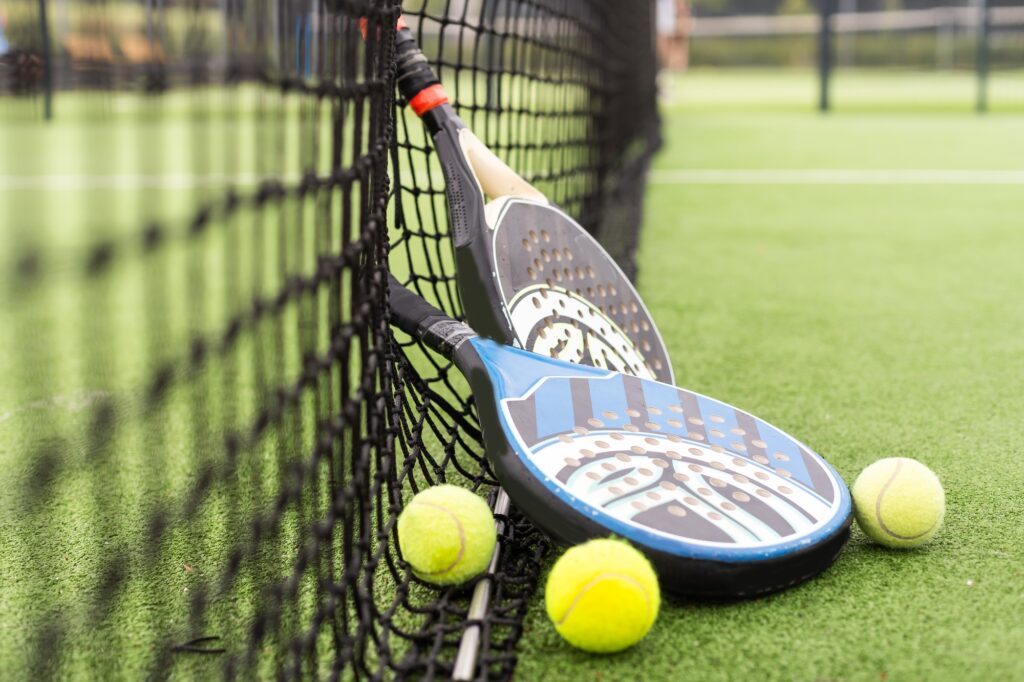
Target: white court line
[129, 181]
[829, 176]
[704, 176]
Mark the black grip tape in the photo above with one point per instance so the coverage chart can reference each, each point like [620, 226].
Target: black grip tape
[414, 73]
[421, 320]
[409, 311]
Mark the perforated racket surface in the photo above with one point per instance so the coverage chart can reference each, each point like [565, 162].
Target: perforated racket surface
[722, 502]
[565, 298]
[666, 467]
[528, 274]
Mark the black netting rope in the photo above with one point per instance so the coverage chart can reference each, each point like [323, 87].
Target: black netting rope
[209, 427]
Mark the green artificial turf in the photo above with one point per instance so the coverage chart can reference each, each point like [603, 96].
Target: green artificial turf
[870, 321]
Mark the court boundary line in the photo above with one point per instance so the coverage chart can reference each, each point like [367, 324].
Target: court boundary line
[669, 176]
[834, 176]
[127, 181]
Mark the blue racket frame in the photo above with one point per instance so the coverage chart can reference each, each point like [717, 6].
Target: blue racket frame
[764, 463]
[516, 376]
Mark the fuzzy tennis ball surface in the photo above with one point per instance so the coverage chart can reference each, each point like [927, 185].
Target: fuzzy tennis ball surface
[602, 596]
[899, 502]
[447, 535]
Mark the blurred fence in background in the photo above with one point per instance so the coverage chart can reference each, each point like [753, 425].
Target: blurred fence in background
[943, 36]
[964, 39]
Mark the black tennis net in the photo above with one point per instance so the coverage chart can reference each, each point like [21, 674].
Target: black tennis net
[207, 429]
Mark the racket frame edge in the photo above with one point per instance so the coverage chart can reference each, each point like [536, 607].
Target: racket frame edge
[679, 576]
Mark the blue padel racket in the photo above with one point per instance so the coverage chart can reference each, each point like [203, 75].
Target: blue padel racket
[528, 274]
[723, 503]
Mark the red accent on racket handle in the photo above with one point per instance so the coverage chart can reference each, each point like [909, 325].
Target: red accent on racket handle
[428, 98]
[399, 26]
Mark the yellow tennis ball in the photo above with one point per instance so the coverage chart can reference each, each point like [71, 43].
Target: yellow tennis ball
[602, 596]
[899, 502]
[447, 535]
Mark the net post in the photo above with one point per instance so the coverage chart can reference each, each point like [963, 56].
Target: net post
[827, 10]
[982, 59]
[44, 29]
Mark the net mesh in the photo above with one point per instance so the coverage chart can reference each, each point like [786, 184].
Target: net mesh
[207, 427]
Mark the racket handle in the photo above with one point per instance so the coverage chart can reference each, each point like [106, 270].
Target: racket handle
[413, 73]
[416, 79]
[421, 320]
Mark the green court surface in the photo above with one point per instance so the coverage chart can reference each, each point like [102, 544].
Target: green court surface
[855, 279]
[869, 319]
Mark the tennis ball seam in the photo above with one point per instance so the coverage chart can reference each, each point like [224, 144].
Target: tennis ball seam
[594, 581]
[462, 539]
[878, 509]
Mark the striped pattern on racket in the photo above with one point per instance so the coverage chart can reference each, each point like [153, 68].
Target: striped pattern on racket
[722, 502]
[673, 463]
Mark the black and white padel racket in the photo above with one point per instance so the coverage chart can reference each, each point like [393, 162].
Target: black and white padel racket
[528, 274]
[723, 503]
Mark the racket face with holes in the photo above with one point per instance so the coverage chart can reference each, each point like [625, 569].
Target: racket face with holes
[724, 503]
[528, 274]
[564, 297]
[531, 276]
